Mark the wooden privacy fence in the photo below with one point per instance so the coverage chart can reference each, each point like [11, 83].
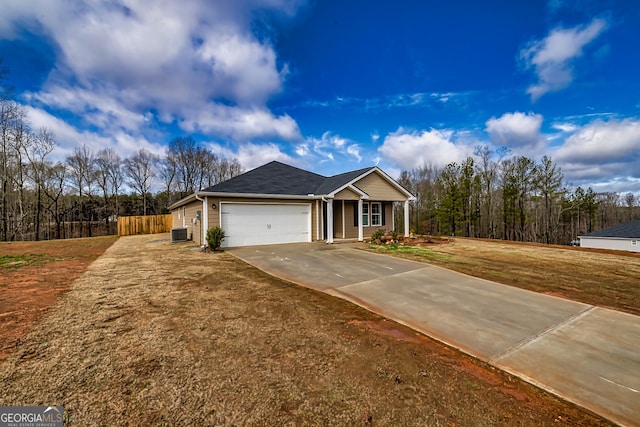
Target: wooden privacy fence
[148, 224]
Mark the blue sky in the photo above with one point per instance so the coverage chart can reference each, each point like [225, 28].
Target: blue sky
[332, 86]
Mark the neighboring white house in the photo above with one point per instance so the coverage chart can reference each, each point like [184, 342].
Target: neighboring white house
[622, 237]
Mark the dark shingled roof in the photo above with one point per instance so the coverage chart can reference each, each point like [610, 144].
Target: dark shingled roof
[278, 178]
[629, 230]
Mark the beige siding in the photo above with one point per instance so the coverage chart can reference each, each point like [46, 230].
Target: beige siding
[214, 214]
[193, 226]
[337, 219]
[379, 188]
[347, 194]
[351, 230]
[176, 218]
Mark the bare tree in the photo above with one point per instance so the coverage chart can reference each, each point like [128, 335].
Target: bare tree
[8, 111]
[488, 171]
[548, 180]
[54, 184]
[183, 154]
[197, 167]
[37, 149]
[141, 169]
[82, 174]
[108, 165]
[167, 169]
[630, 200]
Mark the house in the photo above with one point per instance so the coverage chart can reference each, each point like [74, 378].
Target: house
[623, 237]
[278, 203]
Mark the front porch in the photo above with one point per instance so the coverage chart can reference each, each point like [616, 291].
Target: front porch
[356, 220]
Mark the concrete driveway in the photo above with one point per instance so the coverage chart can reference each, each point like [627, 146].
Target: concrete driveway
[585, 354]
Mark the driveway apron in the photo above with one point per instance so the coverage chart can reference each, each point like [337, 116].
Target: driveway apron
[587, 355]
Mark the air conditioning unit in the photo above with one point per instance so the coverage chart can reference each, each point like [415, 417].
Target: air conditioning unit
[178, 235]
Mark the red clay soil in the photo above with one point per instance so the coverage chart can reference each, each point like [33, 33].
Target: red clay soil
[28, 289]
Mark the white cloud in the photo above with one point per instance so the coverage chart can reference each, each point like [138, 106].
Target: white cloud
[68, 137]
[354, 150]
[411, 149]
[302, 150]
[551, 58]
[603, 142]
[252, 155]
[565, 127]
[518, 131]
[185, 61]
[96, 107]
[239, 123]
[604, 155]
[328, 147]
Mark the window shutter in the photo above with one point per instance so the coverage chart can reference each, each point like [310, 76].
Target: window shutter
[355, 214]
[383, 215]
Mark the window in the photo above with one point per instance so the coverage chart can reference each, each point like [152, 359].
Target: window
[376, 214]
[634, 243]
[365, 214]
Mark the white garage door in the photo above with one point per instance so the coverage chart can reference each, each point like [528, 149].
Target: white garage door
[248, 224]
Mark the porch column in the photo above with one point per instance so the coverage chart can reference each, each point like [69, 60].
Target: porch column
[321, 214]
[205, 220]
[406, 218]
[344, 234]
[317, 221]
[360, 228]
[329, 220]
[393, 218]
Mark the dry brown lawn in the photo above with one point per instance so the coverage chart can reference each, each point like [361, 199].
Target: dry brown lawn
[608, 279]
[155, 333]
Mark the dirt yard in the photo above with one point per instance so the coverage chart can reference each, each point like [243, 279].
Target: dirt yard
[604, 278]
[156, 333]
[32, 277]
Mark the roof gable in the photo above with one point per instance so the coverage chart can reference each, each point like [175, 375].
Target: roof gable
[627, 230]
[362, 175]
[332, 183]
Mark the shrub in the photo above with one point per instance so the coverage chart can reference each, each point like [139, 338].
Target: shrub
[215, 236]
[377, 236]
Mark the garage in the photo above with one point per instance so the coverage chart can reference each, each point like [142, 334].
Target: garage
[248, 224]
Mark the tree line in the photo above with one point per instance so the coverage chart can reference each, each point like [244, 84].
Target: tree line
[497, 196]
[83, 195]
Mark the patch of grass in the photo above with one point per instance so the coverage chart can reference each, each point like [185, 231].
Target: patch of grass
[409, 251]
[21, 260]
